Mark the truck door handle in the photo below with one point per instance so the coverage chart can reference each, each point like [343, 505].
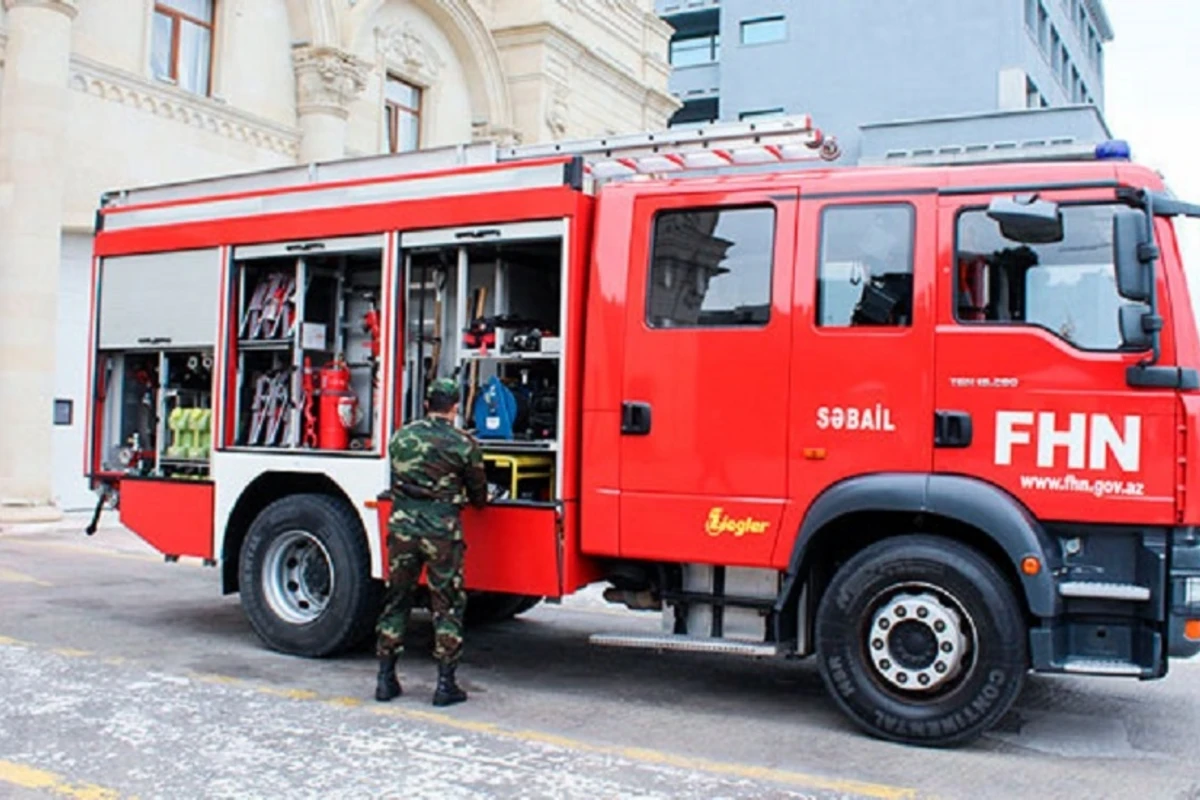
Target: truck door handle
[635, 418]
[951, 429]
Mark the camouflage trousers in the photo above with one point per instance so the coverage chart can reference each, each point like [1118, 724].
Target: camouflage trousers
[443, 560]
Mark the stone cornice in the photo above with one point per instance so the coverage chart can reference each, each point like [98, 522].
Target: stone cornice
[327, 80]
[622, 19]
[118, 86]
[68, 7]
[591, 61]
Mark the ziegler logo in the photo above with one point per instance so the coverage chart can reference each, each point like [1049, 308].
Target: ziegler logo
[719, 522]
[1089, 439]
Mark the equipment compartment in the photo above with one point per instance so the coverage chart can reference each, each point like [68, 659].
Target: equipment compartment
[490, 315]
[154, 412]
[308, 346]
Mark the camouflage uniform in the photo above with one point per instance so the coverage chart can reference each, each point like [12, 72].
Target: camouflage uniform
[436, 470]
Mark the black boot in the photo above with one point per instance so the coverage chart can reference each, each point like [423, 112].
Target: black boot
[387, 686]
[448, 691]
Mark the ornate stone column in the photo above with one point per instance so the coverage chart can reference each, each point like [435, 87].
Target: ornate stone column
[327, 81]
[32, 175]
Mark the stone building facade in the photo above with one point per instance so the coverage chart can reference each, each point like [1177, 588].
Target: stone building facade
[104, 94]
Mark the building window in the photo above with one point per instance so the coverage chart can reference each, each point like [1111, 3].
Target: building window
[1056, 49]
[700, 110]
[866, 270]
[763, 30]
[1033, 97]
[693, 50]
[760, 113]
[402, 105]
[182, 44]
[1043, 33]
[711, 267]
[1031, 15]
[1067, 288]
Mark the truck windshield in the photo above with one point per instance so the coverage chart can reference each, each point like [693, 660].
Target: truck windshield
[1187, 234]
[1066, 287]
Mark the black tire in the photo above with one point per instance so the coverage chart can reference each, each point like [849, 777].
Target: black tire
[979, 681]
[487, 608]
[351, 597]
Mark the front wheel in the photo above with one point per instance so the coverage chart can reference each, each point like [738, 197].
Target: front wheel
[306, 576]
[921, 640]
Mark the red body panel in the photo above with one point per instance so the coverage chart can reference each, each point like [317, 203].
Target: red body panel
[880, 377]
[174, 517]
[508, 549]
[704, 461]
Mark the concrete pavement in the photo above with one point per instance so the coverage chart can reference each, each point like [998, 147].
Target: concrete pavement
[124, 676]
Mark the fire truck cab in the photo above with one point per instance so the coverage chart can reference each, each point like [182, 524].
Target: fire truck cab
[931, 425]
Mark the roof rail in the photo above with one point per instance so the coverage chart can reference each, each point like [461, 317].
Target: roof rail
[1058, 148]
[776, 140]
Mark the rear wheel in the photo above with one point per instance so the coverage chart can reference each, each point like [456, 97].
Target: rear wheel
[306, 577]
[484, 608]
[921, 640]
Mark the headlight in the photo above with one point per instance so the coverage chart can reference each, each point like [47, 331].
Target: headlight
[1191, 594]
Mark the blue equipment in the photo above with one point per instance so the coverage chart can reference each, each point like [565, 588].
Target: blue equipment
[495, 411]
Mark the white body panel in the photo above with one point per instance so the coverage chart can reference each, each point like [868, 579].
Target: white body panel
[361, 479]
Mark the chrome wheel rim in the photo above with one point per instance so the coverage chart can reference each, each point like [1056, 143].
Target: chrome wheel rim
[297, 576]
[920, 639]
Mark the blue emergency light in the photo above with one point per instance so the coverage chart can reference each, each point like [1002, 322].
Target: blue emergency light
[1113, 150]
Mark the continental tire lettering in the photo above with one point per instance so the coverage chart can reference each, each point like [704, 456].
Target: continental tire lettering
[952, 723]
[841, 678]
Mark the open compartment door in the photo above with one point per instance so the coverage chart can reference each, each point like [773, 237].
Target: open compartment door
[510, 548]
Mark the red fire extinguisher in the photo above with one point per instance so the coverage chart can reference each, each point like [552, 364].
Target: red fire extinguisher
[338, 407]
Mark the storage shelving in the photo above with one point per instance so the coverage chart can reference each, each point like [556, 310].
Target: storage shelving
[304, 308]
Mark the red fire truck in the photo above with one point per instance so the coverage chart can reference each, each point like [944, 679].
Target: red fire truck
[932, 425]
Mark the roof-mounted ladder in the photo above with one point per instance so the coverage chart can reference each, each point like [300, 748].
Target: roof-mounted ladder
[432, 171]
[720, 145]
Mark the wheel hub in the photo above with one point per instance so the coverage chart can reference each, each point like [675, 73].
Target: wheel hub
[297, 577]
[916, 642]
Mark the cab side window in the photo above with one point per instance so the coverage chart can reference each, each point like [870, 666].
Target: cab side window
[865, 275]
[711, 267]
[1067, 287]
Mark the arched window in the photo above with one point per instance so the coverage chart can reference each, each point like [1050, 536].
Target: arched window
[182, 45]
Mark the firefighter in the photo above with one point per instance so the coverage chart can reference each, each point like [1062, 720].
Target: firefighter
[436, 470]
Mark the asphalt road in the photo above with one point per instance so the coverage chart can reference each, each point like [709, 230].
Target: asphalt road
[122, 676]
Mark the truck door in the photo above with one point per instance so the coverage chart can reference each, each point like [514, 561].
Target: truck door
[862, 382]
[1029, 353]
[704, 429]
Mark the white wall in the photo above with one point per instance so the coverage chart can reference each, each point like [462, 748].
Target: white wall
[70, 489]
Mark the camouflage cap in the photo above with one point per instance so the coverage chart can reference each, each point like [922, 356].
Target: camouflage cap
[443, 386]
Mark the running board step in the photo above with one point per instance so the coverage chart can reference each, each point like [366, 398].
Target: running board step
[694, 644]
[1099, 590]
[1101, 666]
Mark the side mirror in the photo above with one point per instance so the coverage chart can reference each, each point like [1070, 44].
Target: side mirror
[1028, 221]
[1137, 327]
[1132, 253]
